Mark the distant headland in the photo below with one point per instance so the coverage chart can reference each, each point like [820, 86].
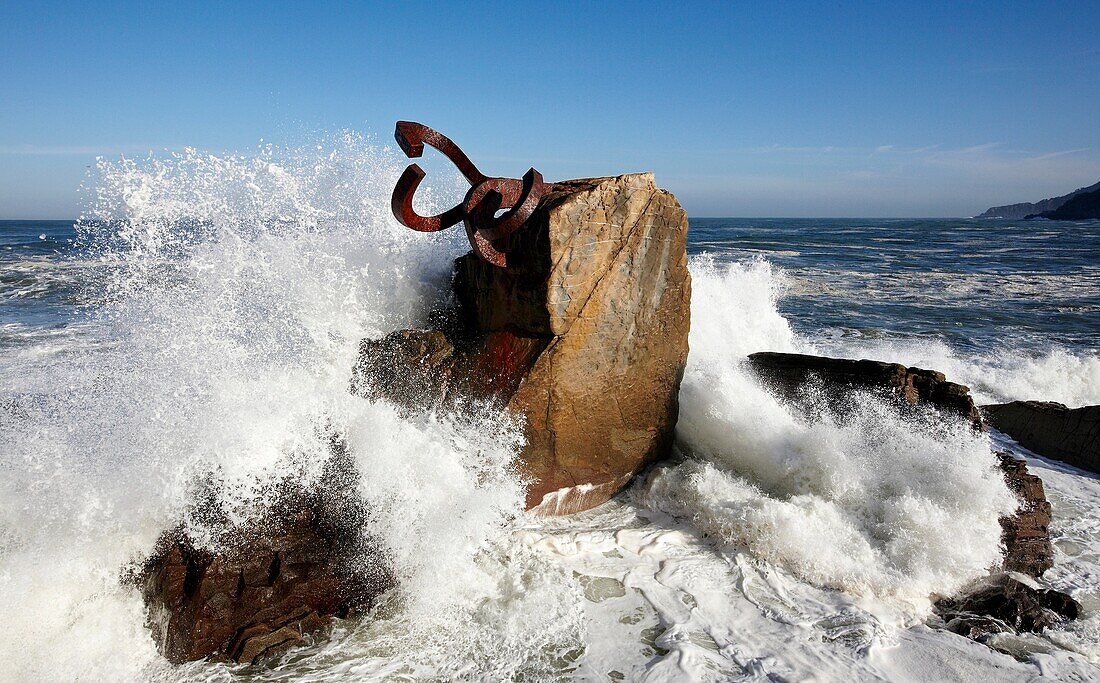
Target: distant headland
[1053, 207]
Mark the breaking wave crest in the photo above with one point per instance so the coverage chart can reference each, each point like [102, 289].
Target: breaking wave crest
[232, 293]
[881, 504]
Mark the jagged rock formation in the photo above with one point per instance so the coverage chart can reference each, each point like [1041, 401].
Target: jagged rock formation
[796, 377]
[296, 564]
[792, 375]
[1004, 604]
[1024, 209]
[1071, 435]
[1026, 534]
[583, 336]
[1081, 207]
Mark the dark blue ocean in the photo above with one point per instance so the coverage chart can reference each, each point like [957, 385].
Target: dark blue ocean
[977, 286]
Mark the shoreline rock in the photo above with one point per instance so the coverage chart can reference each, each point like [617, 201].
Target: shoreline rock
[583, 336]
[1071, 435]
[1026, 535]
[1005, 604]
[1004, 601]
[290, 570]
[792, 375]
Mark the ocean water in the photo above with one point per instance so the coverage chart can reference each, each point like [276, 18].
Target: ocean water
[201, 319]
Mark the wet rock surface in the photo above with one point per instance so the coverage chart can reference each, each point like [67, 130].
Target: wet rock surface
[1026, 534]
[295, 565]
[792, 376]
[804, 379]
[1071, 435]
[583, 336]
[1005, 604]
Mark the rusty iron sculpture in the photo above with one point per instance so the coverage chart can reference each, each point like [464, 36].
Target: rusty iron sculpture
[488, 232]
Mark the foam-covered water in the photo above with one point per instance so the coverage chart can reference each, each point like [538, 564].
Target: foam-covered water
[202, 324]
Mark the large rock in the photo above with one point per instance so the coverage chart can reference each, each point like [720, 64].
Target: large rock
[1000, 602]
[297, 563]
[793, 376]
[583, 336]
[1071, 435]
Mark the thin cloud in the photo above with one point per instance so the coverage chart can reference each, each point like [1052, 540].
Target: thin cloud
[1051, 155]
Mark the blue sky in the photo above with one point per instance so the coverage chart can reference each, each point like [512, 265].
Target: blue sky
[800, 109]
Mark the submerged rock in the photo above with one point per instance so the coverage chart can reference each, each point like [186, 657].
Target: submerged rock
[583, 336]
[1005, 604]
[1071, 435]
[296, 564]
[792, 376]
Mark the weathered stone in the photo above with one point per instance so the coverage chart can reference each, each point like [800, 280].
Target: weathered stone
[583, 336]
[1026, 534]
[1005, 604]
[298, 562]
[1071, 435]
[790, 375]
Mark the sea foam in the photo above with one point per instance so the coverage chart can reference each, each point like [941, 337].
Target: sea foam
[882, 504]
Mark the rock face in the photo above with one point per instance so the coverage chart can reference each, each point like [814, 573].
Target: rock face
[1071, 435]
[1026, 534]
[1022, 210]
[288, 571]
[1004, 602]
[583, 336]
[791, 375]
[1000, 603]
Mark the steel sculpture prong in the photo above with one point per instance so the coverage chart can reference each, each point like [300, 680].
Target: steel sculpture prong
[488, 233]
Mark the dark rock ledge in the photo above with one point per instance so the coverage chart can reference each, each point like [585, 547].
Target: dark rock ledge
[1071, 435]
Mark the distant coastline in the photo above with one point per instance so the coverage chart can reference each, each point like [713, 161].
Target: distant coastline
[1033, 209]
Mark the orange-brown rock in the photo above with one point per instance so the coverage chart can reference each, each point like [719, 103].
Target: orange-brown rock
[583, 336]
[294, 565]
[1026, 534]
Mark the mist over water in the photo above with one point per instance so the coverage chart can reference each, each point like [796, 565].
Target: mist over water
[203, 326]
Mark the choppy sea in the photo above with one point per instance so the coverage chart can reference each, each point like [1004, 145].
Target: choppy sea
[202, 317]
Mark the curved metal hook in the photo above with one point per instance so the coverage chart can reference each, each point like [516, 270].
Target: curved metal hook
[481, 203]
[402, 204]
[478, 210]
[412, 137]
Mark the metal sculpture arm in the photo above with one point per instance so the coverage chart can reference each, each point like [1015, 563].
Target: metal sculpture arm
[486, 231]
